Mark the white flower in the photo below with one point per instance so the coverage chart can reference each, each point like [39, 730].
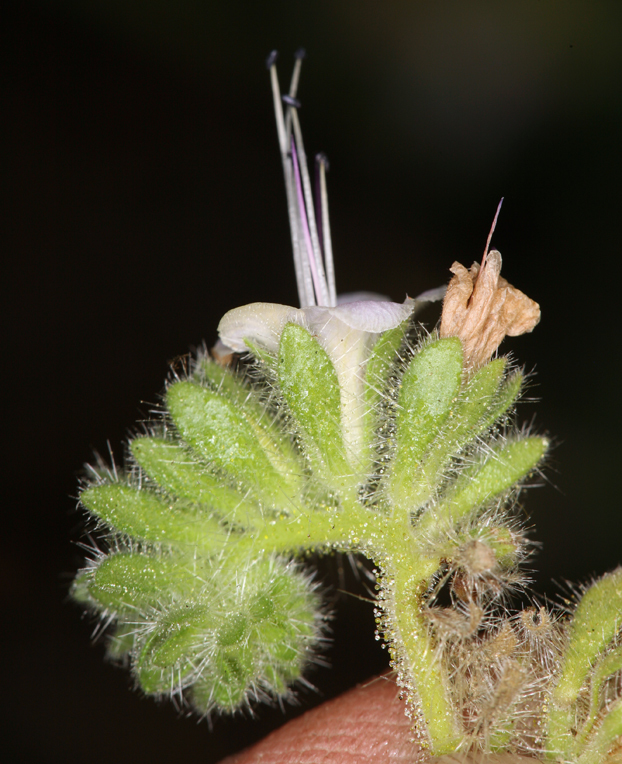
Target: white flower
[347, 331]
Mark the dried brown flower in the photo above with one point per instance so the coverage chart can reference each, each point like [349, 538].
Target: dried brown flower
[481, 308]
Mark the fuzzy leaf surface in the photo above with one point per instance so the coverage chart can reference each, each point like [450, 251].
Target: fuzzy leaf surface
[128, 582]
[596, 621]
[309, 384]
[505, 466]
[429, 389]
[178, 473]
[215, 428]
[145, 516]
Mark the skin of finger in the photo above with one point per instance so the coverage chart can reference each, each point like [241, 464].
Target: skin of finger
[366, 725]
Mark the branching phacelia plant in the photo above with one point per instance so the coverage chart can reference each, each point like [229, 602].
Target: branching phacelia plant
[349, 428]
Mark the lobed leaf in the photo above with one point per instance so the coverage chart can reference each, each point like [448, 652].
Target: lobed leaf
[251, 631]
[145, 516]
[179, 474]
[220, 433]
[429, 389]
[309, 384]
[128, 582]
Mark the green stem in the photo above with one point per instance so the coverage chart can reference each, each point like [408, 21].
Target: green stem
[345, 528]
[423, 666]
[406, 577]
[409, 575]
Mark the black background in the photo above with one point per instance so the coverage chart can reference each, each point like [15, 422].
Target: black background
[142, 198]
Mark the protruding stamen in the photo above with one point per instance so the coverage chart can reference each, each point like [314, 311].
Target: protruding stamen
[293, 85]
[322, 159]
[293, 90]
[322, 295]
[309, 262]
[304, 219]
[492, 230]
[324, 227]
[305, 287]
[276, 97]
[317, 198]
[290, 101]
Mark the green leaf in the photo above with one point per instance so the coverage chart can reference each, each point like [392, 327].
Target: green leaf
[228, 384]
[129, 582]
[251, 629]
[381, 361]
[504, 400]
[608, 666]
[476, 401]
[167, 657]
[428, 391]
[247, 401]
[505, 466]
[262, 356]
[605, 736]
[309, 384]
[144, 515]
[233, 630]
[175, 470]
[465, 421]
[234, 673]
[596, 621]
[222, 435]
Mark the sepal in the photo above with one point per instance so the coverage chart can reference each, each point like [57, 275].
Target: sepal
[309, 384]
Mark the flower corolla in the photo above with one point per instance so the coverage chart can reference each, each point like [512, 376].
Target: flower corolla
[347, 332]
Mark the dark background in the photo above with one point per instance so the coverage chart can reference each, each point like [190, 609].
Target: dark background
[143, 198]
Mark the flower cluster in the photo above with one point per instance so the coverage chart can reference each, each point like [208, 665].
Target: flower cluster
[352, 429]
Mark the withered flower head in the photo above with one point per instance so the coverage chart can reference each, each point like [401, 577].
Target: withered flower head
[481, 308]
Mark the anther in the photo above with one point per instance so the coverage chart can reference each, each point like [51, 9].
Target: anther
[290, 101]
[322, 159]
[300, 54]
[271, 60]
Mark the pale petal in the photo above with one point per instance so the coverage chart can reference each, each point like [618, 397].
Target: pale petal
[260, 322]
[347, 333]
[372, 315]
[346, 297]
[432, 295]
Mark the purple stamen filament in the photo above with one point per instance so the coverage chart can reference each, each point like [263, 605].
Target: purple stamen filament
[318, 208]
[305, 223]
